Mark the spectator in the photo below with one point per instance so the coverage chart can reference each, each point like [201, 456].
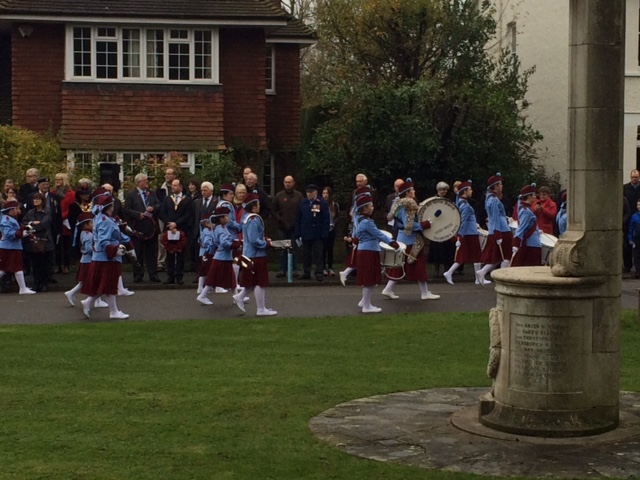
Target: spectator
[633, 236]
[390, 206]
[545, 210]
[8, 185]
[204, 205]
[52, 205]
[245, 174]
[40, 249]
[193, 189]
[630, 191]
[285, 210]
[162, 192]
[329, 243]
[312, 228]
[82, 204]
[252, 186]
[118, 210]
[141, 207]
[68, 197]
[176, 211]
[29, 187]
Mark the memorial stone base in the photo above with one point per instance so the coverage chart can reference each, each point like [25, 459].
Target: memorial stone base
[558, 354]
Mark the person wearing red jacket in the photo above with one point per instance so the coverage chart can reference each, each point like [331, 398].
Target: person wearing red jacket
[546, 210]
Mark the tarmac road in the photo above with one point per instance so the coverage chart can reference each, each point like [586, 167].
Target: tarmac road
[310, 299]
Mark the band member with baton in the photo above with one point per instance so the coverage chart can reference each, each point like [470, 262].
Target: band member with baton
[527, 249]
[500, 236]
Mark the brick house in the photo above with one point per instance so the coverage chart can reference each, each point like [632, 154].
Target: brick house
[123, 79]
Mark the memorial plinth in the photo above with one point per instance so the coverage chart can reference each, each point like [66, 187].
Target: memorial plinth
[558, 373]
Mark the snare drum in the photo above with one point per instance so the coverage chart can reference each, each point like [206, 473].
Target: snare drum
[483, 235]
[392, 259]
[548, 242]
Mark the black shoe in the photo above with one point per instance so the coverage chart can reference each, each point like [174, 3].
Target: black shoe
[320, 278]
[169, 281]
[137, 279]
[155, 279]
[280, 275]
[305, 277]
[179, 281]
[51, 280]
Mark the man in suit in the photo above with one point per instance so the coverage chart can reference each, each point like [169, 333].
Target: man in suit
[29, 187]
[53, 207]
[176, 211]
[206, 204]
[141, 207]
[162, 192]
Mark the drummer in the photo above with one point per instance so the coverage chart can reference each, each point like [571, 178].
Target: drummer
[368, 258]
[351, 238]
[527, 249]
[468, 243]
[406, 216]
[498, 247]
[561, 217]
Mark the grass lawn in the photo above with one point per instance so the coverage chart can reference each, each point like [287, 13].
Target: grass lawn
[226, 399]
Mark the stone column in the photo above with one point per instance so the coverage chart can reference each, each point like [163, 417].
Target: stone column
[559, 327]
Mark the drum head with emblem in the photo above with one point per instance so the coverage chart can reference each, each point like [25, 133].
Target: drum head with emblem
[444, 217]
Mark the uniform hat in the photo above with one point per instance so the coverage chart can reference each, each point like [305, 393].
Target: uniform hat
[405, 186]
[464, 186]
[528, 190]
[205, 217]
[228, 187]
[10, 205]
[311, 187]
[563, 197]
[83, 189]
[363, 200]
[43, 179]
[84, 217]
[494, 180]
[250, 198]
[99, 192]
[366, 190]
[221, 212]
[104, 201]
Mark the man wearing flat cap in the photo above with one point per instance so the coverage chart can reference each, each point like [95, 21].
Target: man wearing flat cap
[312, 228]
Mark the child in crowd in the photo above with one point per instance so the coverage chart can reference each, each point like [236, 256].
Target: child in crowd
[11, 244]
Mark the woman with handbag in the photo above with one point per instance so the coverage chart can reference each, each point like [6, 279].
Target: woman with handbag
[39, 248]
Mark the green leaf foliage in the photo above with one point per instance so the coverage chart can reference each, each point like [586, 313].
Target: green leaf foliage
[409, 88]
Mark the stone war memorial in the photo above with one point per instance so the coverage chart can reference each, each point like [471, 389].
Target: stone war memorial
[555, 408]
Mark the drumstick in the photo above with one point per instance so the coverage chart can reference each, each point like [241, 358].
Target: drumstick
[512, 257]
[501, 252]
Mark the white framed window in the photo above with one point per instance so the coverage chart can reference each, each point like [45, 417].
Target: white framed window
[131, 162]
[512, 38]
[270, 70]
[109, 53]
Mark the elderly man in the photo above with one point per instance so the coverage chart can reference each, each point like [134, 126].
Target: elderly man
[141, 207]
[312, 228]
[390, 205]
[285, 209]
[205, 205]
[631, 192]
[251, 182]
[29, 187]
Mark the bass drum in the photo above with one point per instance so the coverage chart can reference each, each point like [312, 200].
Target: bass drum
[444, 217]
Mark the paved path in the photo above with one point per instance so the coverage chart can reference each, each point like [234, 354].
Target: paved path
[300, 299]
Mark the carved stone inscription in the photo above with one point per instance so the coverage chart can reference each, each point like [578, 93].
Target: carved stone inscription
[546, 354]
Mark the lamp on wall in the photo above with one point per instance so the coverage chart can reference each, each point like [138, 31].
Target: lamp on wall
[25, 30]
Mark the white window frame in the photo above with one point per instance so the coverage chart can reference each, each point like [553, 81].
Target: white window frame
[69, 59]
[512, 38]
[270, 90]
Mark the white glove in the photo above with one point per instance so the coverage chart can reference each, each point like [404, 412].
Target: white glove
[499, 241]
[633, 244]
[119, 253]
[514, 250]
[299, 242]
[132, 255]
[458, 244]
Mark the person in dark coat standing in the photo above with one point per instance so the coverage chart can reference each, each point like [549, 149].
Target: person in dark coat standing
[312, 228]
[631, 192]
[176, 211]
[285, 209]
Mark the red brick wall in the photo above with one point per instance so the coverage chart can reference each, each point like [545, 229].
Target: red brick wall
[283, 108]
[142, 117]
[242, 61]
[38, 71]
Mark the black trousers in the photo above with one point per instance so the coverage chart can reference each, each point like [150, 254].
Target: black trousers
[175, 265]
[147, 253]
[313, 251]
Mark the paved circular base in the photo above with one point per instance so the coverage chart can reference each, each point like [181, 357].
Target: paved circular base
[439, 429]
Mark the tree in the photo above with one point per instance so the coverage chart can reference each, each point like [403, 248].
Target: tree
[408, 88]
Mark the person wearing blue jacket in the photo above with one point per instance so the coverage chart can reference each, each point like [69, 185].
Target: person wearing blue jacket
[109, 246]
[468, 242]
[527, 249]
[254, 272]
[368, 259]
[12, 234]
[634, 238]
[84, 233]
[561, 217]
[313, 223]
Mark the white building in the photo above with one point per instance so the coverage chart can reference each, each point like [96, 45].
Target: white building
[538, 32]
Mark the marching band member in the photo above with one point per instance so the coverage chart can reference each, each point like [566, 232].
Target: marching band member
[227, 194]
[500, 237]
[11, 244]
[108, 251]
[84, 223]
[368, 259]
[205, 254]
[221, 271]
[527, 249]
[254, 276]
[408, 225]
[561, 218]
[350, 261]
[468, 243]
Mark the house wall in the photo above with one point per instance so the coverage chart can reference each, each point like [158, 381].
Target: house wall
[242, 74]
[5, 77]
[121, 116]
[38, 72]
